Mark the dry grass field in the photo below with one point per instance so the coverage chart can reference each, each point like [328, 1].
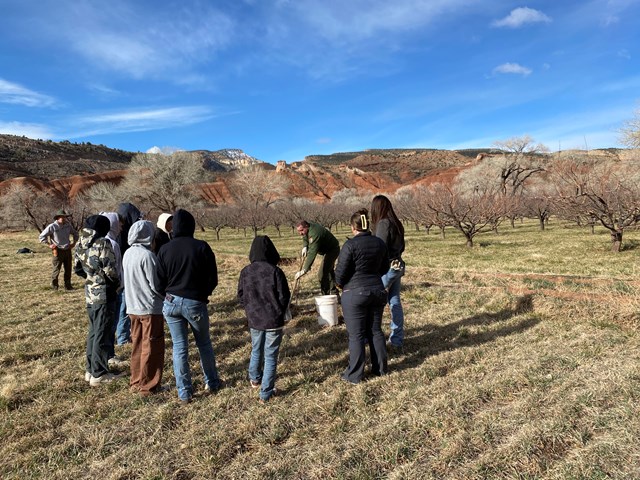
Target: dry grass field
[522, 360]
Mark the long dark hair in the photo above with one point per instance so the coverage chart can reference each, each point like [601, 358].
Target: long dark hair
[360, 220]
[381, 208]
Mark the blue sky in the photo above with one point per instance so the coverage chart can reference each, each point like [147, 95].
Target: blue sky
[282, 79]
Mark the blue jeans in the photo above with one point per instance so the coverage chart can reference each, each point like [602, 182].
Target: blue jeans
[265, 346]
[123, 328]
[181, 313]
[391, 281]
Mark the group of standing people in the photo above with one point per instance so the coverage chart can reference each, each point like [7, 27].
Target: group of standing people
[152, 274]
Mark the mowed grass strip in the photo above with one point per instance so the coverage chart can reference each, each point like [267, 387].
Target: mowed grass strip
[521, 361]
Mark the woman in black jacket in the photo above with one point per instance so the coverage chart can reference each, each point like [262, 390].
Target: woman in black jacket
[388, 227]
[362, 262]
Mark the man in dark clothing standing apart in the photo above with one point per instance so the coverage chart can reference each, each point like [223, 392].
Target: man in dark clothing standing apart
[56, 236]
[318, 240]
[188, 274]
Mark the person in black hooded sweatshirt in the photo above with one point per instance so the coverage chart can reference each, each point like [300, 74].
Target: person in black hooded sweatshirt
[188, 275]
[264, 293]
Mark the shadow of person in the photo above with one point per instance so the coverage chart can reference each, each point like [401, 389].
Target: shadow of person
[430, 340]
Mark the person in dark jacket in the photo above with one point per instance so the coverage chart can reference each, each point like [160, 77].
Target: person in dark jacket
[188, 274]
[129, 214]
[318, 240]
[362, 262]
[264, 293]
[389, 228]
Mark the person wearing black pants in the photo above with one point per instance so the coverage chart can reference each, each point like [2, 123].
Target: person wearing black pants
[362, 261]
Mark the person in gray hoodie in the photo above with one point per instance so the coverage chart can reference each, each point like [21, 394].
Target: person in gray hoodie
[144, 307]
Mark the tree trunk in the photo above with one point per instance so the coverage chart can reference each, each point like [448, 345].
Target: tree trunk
[469, 242]
[513, 222]
[541, 219]
[442, 232]
[616, 241]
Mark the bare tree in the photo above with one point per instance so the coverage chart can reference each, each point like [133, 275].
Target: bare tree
[25, 206]
[470, 212]
[537, 201]
[165, 182]
[254, 190]
[408, 202]
[630, 132]
[219, 217]
[608, 191]
[509, 171]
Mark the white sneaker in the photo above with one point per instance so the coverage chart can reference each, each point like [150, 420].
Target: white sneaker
[87, 376]
[106, 378]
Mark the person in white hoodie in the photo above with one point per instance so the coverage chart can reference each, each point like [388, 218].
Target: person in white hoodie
[163, 231]
[144, 307]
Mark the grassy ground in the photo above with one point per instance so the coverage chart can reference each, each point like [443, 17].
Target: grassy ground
[521, 361]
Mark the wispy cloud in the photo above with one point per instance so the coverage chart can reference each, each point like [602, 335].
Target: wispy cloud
[31, 130]
[512, 68]
[624, 53]
[334, 40]
[142, 120]
[336, 20]
[521, 16]
[142, 42]
[18, 95]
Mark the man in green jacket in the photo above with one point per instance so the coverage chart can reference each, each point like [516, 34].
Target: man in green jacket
[318, 240]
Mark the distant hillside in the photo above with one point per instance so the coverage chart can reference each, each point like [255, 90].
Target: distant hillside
[44, 159]
[48, 160]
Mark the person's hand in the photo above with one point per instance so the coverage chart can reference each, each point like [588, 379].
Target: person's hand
[299, 274]
[52, 246]
[303, 252]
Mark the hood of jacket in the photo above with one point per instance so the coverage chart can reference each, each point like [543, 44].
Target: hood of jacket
[95, 226]
[263, 250]
[162, 222]
[184, 225]
[114, 230]
[141, 233]
[129, 213]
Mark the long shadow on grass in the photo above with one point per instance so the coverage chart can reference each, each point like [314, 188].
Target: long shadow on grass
[431, 340]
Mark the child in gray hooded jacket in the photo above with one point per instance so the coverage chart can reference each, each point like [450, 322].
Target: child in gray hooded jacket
[144, 308]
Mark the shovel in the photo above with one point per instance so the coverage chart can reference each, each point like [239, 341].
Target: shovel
[296, 284]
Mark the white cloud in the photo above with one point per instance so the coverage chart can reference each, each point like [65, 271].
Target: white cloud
[30, 130]
[521, 16]
[143, 120]
[512, 68]
[17, 94]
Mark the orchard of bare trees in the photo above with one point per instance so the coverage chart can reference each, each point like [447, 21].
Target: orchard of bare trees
[520, 179]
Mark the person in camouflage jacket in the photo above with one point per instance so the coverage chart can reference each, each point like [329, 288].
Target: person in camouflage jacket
[95, 261]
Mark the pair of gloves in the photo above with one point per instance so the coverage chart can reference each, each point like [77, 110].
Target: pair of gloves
[299, 274]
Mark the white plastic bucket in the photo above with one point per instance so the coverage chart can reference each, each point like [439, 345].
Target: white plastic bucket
[327, 307]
